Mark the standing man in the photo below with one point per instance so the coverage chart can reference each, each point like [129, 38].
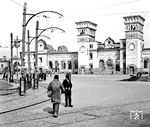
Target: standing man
[68, 86]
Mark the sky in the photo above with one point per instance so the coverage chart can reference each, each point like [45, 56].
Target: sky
[107, 14]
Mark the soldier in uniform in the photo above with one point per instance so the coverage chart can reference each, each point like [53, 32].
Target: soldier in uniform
[68, 86]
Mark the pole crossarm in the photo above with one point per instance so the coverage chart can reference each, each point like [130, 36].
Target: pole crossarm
[33, 15]
[45, 36]
[35, 37]
[50, 28]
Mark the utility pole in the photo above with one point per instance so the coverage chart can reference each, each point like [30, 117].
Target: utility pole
[36, 56]
[23, 34]
[11, 58]
[29, 63]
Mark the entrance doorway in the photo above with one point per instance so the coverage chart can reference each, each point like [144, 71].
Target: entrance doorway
[82, 70]
[131, 70]
[101, 65]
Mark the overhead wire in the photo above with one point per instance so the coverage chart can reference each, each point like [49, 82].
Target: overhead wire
[17, 3]
[94, 9]
[45, 17]
[104, 14]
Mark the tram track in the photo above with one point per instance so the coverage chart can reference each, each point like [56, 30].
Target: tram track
[81, 111]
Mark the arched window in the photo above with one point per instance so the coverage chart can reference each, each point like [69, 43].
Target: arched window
[51, 64]
[63, 65]
[56, 64]
[16, 64]
[69, 65]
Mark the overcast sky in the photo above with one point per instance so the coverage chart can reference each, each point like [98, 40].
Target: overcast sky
[107, 14]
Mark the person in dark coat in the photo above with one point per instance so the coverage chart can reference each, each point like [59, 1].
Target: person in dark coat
[68, 86]
[55, 88]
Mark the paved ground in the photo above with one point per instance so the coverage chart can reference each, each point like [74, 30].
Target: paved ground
[99, 101]
[4, 84]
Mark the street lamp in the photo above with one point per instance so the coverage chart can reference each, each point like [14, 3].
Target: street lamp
[28, 47]
[36, 50]
[25, 23]
[17, 45]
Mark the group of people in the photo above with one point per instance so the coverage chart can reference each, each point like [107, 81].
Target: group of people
[56, 88]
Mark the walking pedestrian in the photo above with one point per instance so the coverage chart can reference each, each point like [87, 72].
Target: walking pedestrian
[55, 88]
[68, 86]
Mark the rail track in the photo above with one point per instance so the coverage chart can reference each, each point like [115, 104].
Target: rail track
[76, 111]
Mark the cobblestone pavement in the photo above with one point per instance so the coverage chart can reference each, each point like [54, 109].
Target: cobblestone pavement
[33, 110]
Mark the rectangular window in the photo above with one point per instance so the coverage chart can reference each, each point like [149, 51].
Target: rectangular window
[91, 46]
[91, 66]
[40, 59]
[90, 56]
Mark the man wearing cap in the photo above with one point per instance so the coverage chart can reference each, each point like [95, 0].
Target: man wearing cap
[68, 86]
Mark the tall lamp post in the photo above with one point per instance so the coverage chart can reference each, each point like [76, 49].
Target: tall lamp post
[15, 43]
[28, 46]
[36, 50]
[11, 59]
[25, 23]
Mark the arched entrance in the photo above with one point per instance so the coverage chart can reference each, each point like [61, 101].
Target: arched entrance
[101, 65]
[131, 69]
[117, 65]
[146, 65]
[82, 70]
[109, 64]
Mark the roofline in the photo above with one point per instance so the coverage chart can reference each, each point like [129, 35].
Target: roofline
[135, 16]
[87, 22]
[51, 53]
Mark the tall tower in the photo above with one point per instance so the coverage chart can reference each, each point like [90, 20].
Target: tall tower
[134, 42]
[86, 39]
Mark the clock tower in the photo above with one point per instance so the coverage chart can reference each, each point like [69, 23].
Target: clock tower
[134, 42]
[86, 39]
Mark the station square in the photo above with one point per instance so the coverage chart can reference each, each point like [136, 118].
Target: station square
[110, 80]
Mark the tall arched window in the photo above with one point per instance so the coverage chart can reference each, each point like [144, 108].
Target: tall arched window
[75, 64]
[69, 65]
[51, 64]
[146, 63]
[63, 65]
[56, 64]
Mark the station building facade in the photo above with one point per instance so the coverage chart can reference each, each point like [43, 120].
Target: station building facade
[93, 57]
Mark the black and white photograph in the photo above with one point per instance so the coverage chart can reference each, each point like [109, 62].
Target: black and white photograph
[75, 63]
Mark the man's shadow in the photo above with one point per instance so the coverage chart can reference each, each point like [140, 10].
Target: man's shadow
[50, 109]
